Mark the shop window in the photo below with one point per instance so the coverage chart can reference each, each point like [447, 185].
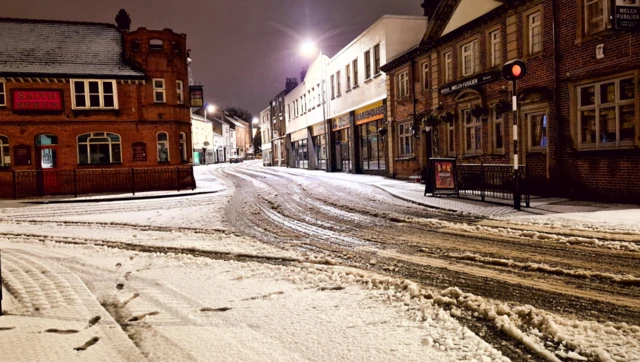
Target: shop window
[94, 94]
[376, 59]
[403, 85]
[448, 66]
[367, 64]
[470, 58]
[497, 130]
[99, 148]
[537, 129]
[354, 65]
[155, 44]
[183, 147]
[495, 48]
[180, 91]
[607, 114]
[5, 156]
[404, 139]
[425, 76]
[163, 147]
[472, 132]
[596, 16]
[3, 94]
[158, 90]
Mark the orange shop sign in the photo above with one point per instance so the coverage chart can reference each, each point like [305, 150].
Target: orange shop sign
[38, 100]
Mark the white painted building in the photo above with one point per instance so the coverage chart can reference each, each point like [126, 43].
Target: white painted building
[222, 143]
[265, 132]
[356, 91]
[202, 137]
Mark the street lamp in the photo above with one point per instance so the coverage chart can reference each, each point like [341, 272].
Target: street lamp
[308, 48]
[207, 108]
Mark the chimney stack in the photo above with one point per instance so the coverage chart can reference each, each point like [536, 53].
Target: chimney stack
[430, 7]
[290, 84]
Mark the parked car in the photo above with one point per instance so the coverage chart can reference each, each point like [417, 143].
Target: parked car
[235, 159]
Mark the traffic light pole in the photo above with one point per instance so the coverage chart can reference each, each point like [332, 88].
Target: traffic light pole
[516, 174]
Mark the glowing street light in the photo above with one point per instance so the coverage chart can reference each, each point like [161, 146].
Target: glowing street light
[255, 120]
[308, 48]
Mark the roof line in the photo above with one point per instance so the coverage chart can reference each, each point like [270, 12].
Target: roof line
[23, 20]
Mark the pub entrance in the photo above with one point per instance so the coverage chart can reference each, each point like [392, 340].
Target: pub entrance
[47, 180]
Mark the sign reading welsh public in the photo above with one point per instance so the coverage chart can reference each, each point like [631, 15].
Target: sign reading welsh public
[196, 96]
[442, 177]
[627, 15]
[469, 82]
[37, 100]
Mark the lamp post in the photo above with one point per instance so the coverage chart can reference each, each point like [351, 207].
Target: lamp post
[210, 108]
[308, 48]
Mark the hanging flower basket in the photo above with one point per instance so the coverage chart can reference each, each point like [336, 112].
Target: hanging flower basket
[478, 111]
[500, 107]
[382, 131]
[447, 117]
[431, 120]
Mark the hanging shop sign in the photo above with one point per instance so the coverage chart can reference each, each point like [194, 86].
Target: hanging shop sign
[37, 100]
[196, 96]
[370, 113]
[627, 15]
[340, 122]
[469, 82]
[442, 177]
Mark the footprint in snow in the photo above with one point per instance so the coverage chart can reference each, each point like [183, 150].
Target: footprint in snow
[93, 321]
[120, 286]
[89, 343]
[208, 309]
[61, 331]
[139, 317]
[2, 329]
[118, 265]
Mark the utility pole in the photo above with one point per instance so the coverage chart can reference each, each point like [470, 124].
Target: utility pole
[512, 71]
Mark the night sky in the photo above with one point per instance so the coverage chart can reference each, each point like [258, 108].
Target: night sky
[242, 50]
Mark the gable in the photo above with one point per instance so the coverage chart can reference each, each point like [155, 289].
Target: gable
[467, 11]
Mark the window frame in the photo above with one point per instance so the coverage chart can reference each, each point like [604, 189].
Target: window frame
[402, 84]
[354, 66]
[447, 64]
[451, 138]
[87, 94]
[598, 105]
[338, 85]
[367, 65]
[376, 60]
[528, 118]
[165, 143]
[5, 151]
[333, 86]
[494, 46]
[3, 93]
[424, 66]
[183, 145]
[474, 52]
[347, 73]
[606, 13]
[403, 137]
[497, 119]
[474, 125]
[180, 91]
[157, 90]
[527, 30]
[110, 143]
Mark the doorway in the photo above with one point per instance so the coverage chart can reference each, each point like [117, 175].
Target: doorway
[48, 180]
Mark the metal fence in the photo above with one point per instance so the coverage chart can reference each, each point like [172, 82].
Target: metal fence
[494, 181]
[76, 182]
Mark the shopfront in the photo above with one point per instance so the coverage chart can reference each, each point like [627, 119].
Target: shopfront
[340, 126]
[300, 149]
[368, 121]
[319, 146]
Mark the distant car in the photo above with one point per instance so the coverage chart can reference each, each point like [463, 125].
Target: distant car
[235, 159]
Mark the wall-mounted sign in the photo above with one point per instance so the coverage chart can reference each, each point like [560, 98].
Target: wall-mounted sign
[22, 155]
[370, 113]
[627, 15]
[469, 82]
[139, 151]
[442, 177]
[37, 100]
[340, 122]
[196, 95]
[318, 129]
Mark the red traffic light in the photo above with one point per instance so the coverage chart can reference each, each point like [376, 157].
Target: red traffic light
[514, 70]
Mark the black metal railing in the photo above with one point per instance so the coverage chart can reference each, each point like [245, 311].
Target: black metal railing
[76, 182]
[493, 181]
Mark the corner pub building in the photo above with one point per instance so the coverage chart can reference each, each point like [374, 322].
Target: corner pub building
[91, 107]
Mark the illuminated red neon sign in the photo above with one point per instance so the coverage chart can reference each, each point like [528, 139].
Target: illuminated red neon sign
[43, 100]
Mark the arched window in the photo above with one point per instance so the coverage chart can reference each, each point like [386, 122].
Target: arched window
[99, 148]
[5, 157]
[183, 146]
[163, 147]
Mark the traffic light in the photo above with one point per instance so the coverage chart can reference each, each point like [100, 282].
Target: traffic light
[514, 70]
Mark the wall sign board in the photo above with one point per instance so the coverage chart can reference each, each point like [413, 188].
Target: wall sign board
[37, 100]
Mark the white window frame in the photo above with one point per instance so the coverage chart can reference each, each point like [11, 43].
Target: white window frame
[376, 59]
[425, 75]
[347, 72]
[338, 85]
[354, 65]
[474, 127]
[533, 25]
[110, 143]
[3, 93]
[529, 117]
[100, 93]
[497, 120]
[405, 138]
[180, 91]
[5, 151]
[159, 90]
[333, 86]
[602, 20]
[448, 66]
[402, 87]
[495, 48]
[367, 65]
[469, 53]
[164, 143]
[616, 104]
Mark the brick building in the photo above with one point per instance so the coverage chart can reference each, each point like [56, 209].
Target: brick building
[448, 98]
[81, 96]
